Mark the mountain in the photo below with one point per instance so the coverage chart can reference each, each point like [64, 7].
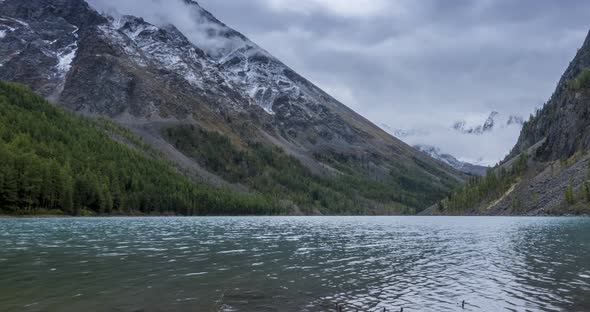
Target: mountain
[452, 161]
[548, 170]
[218, 106]
[494, 121]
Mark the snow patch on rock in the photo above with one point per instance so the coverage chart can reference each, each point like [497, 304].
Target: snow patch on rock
[119, 40]
[10, 19]
[65, 59]
[65, 56]
[166, 48]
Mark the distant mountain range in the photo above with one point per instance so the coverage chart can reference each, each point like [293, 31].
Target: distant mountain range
[494, 121]
[497, 128]
[452, 161]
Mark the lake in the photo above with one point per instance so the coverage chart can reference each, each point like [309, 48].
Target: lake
[295, 264]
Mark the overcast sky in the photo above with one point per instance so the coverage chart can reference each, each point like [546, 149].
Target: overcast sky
[423, 64]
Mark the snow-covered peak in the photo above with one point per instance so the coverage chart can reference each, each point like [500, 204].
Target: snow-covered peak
[248, 66]
[167, 48]
[214, 37]
[475, 139]
[215, 50]
[494, 121]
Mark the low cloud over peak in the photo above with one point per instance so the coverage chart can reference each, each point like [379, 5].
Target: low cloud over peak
[350, 9]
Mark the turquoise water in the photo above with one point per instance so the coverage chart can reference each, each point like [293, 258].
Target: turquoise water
[295, 264]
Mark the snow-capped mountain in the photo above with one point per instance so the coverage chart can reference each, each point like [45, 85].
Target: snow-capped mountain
[148, 75]
[465, 139]
[253, 70]
[462, 166]
[92, 53]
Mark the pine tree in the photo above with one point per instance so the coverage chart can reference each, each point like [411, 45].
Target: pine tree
[441, 206]
[9, 192]
[570, 198]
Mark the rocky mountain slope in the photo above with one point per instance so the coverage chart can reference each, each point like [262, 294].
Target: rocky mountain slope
[452, 161]
[548, 171]
[154, 80]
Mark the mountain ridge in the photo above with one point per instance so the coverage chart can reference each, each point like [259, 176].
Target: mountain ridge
[489, 124]
[451, 160]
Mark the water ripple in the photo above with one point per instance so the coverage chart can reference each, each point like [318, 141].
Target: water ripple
[295, 264]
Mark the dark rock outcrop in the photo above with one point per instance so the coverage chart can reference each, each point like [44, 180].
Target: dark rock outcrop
[564, 121]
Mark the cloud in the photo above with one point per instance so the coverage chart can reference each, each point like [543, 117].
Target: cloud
[189, 19]
[355, 9]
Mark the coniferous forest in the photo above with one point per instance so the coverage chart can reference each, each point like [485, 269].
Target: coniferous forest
[54, 162]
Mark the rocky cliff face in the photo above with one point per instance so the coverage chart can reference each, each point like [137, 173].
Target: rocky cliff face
[564, 120]
[145, 76]
[558, 139]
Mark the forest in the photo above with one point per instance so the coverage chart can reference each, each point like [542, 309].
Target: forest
[55, 162]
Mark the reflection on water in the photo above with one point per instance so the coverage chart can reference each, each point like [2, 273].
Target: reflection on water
[295, 264]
